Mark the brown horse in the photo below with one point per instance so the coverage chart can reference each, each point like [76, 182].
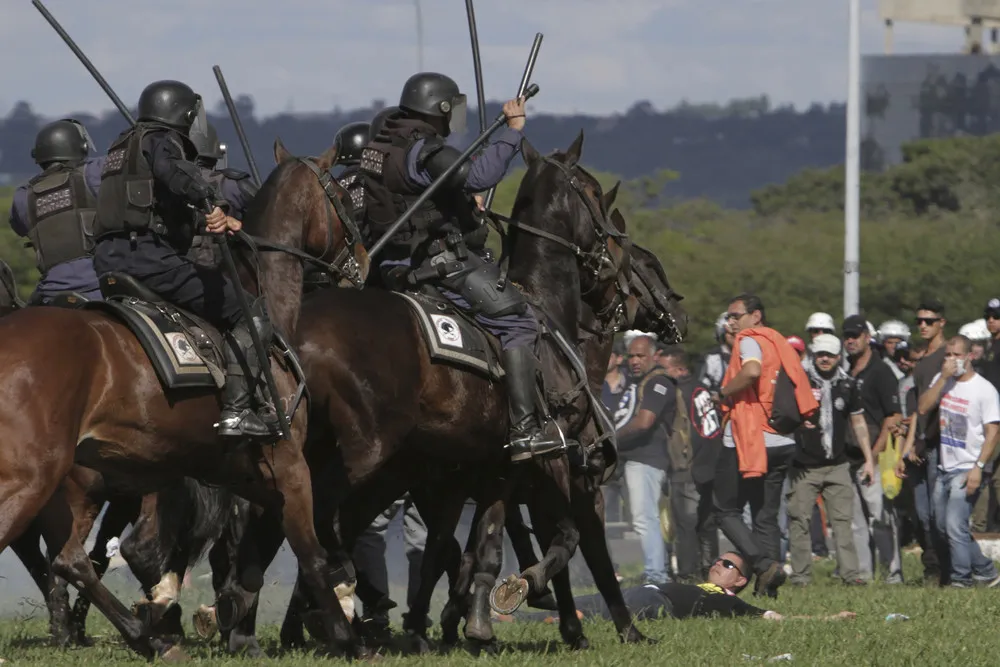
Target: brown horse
[105, 408]
[437, 413]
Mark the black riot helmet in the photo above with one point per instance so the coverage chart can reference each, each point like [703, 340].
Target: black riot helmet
[437, 96]
[210, 151]
[378, 122]
[65, 140]
[350, 141]
[172, 103]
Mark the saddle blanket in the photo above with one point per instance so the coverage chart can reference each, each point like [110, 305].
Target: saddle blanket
[454, 339]
[181, 350]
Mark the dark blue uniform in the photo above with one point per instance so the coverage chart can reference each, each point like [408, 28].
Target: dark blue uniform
[158, 258]
[76, 275]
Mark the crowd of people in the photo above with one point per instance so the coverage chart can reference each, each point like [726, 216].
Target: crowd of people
[878, 436]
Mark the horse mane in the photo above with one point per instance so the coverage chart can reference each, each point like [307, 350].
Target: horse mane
[262, 204]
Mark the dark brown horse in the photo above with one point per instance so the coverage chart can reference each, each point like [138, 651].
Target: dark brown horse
[426, 416]
[104, 407]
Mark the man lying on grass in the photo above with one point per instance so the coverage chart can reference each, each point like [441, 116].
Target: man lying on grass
[726, 579]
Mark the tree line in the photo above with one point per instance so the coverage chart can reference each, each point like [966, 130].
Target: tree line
[928, 229]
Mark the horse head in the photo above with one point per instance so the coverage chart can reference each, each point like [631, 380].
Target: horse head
[562, 234]
[302, 214]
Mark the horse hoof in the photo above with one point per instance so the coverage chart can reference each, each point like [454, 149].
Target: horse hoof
[419, 644]
[204, 622]
[230, 609]
[509, 595]
[247, 645]
[633, 636]
[580, 643]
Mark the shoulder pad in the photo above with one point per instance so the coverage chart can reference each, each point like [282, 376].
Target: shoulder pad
[234, 174]
[436, 156]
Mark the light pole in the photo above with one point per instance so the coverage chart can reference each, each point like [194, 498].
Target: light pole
[852, 175]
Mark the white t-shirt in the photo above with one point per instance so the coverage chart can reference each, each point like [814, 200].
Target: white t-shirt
[750, 349]
[966, 407]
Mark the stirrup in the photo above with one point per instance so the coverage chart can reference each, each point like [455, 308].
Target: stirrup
[246, 424]
[537, 444]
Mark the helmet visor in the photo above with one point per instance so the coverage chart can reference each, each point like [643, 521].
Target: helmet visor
[199, 125]
[457, 112]
[223, 162]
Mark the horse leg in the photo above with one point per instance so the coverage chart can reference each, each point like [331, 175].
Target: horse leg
[520, 539]
[553, 494]
[570, 626]
[223, 559]
[588, 510]
[121, 512]
[441, 516]
[53, 588]
[297, 522]
[70, 561]
[147, 552]
[460, 588]
[489, 560]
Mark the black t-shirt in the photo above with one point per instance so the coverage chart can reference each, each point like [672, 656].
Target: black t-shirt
[928, 429]
[845, 401]
[879, 392]
[655, 601]
[706, 430]
[657, 393]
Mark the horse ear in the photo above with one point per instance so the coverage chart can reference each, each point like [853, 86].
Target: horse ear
[617, 219]
[280, 152]
[609, 197]
[530, 154]
[575, 150]
[326, 160]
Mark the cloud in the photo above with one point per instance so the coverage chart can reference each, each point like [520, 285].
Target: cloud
[597, 56]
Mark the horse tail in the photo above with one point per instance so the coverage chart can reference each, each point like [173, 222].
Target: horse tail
[190, 518]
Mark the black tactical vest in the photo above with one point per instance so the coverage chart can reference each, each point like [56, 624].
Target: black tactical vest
[352, 180]
[60, 216]
[388, 192]
[131, 200]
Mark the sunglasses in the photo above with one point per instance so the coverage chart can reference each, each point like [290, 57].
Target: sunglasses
[992, 315]
[734, 316]
[928, 320]
[729, 565]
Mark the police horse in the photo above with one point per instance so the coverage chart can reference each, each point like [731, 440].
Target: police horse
[136, 395]
[387, 386]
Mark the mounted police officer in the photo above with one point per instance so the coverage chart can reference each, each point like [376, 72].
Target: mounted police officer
[145, 224]
[234, 186]
[444, 242]
[56, 208]
[350, 142]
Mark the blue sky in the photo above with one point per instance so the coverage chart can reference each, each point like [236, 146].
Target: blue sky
[599, 56]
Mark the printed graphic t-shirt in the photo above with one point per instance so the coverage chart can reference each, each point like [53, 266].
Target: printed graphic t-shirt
[966, 407]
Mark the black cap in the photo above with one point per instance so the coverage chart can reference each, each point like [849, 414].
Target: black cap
[854, 325]
[992, 307]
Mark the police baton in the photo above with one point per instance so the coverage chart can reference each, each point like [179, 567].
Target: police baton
[235, 117]
[477, 65]
[258, 344]
[83, 59]
[529, 92]
[525, 80]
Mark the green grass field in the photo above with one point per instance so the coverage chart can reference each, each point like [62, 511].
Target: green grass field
[947, 627]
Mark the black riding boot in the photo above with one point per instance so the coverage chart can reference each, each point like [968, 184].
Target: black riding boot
[526, 437]
[238, 420]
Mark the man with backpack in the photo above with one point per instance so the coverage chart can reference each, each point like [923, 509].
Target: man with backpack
[643, 419]
[765, 396]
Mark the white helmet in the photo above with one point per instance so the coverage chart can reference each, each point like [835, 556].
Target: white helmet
[820, 321]
[721, 326]
[871, 330]
[975, 330]
[893, 329]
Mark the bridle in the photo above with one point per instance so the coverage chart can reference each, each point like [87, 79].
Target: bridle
[344, 266]
[597, 262]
